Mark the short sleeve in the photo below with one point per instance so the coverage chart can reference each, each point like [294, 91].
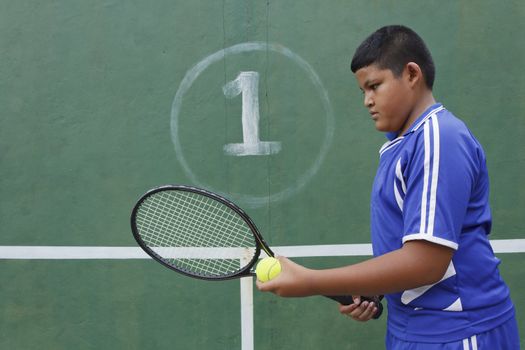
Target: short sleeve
[439, 180]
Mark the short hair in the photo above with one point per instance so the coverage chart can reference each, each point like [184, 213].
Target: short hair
[392, 47]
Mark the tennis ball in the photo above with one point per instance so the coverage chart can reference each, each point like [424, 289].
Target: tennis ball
[267, 269]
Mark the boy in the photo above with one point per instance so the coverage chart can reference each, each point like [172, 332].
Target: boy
[430, 216]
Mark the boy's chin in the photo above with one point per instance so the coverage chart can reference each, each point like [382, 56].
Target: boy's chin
[386, 130]
[383, 128]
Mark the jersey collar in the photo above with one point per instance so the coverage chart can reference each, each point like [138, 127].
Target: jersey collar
[419, 121]
[394, 139]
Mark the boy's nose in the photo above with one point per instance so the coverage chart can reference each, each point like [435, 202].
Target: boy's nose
[368, 101]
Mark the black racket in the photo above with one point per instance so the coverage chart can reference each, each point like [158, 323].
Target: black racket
[202, 235]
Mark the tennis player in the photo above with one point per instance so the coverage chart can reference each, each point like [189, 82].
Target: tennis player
[430, 215]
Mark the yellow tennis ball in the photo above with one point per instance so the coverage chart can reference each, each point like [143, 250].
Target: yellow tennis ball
[267, 269]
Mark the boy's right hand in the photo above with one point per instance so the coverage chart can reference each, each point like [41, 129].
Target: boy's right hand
[359, 311]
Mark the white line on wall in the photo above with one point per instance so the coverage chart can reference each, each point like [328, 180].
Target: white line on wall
[94, 252]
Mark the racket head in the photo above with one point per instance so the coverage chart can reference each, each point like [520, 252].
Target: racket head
[196, 232]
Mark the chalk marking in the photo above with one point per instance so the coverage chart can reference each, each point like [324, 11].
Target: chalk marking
[193, 74]
[247, 84]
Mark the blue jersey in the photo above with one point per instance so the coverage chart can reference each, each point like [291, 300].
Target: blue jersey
[432, 184]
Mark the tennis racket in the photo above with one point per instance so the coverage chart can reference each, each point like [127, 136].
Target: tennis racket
[202, 235]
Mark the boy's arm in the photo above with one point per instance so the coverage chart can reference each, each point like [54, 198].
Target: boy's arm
[416, 264]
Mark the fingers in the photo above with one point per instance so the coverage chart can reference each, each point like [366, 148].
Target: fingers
[293, 281]
[369, 309]
[348, 309]
[268, 286]
[362, 312]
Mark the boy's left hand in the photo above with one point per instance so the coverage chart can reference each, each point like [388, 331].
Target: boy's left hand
[360, 310]
[293, 281]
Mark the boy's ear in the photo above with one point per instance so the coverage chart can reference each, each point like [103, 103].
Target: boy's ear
[413, 73]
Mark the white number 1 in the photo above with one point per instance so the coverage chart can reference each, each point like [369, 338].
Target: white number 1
[247, 84]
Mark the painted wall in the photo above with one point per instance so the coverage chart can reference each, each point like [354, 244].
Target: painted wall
[101, 100]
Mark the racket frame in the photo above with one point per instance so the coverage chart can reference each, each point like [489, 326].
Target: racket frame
[244, 271]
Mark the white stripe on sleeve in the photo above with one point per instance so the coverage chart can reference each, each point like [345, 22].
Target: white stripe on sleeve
[435, 175]
[426, 165]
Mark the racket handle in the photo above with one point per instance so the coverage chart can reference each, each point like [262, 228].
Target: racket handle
[347, 300]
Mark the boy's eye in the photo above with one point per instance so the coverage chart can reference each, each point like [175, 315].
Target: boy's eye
[374, 86]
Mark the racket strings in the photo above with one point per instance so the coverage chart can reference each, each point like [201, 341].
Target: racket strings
[195, 233]
[166, 237]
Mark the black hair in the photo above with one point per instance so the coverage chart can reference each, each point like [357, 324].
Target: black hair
[392, 47]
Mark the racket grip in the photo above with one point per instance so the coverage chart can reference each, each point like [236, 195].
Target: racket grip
[347, 300]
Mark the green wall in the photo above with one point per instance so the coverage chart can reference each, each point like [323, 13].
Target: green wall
[87, 123]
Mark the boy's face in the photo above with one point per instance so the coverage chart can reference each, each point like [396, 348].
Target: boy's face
[389, 99]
